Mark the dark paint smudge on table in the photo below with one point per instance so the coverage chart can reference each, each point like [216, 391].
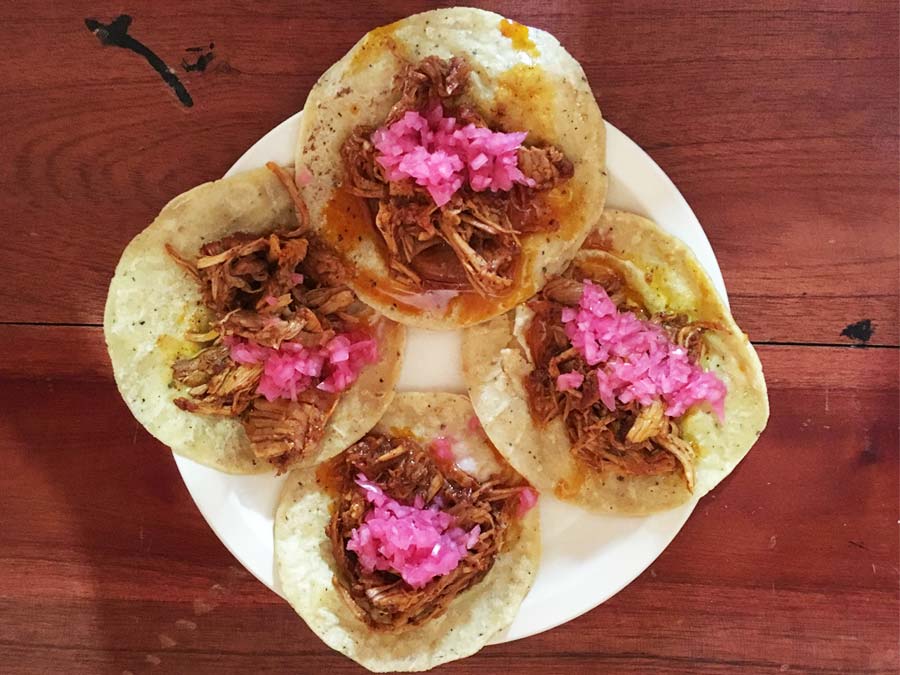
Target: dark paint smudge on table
[116, 34]
[205, 56]
[861, 330]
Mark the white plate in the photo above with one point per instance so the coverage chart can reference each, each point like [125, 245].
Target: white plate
[586, 558]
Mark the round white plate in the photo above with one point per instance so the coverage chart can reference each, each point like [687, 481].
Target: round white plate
[586, 558]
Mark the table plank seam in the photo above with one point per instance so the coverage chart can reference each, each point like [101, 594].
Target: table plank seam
[49, 324]
[771, 139]
[838, 345]
[758, 343]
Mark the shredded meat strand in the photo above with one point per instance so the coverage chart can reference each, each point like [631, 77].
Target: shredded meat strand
[364, 175]
[433, 80]
[546, 165]
[630, 440]
[405, 470]
[291, 186]
[472, 242]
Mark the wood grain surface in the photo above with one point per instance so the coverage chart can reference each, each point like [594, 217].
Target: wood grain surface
[778, 122]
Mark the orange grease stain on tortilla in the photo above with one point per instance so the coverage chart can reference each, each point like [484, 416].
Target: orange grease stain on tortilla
[376, 42]
[518, 34]
[525, 98]
[174, 348]
[403, 432]
[567, 489]
[328, 476]
[565, 203]
[349, 224]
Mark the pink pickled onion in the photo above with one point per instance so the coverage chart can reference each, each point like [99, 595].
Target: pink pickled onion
[442, 448]
[293, 368]
[634, 359]
[303, 176]
[441, 155]
[567, 381]
[528, 498]
[416, 542]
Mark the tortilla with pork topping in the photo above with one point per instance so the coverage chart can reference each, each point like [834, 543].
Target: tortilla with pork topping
[413, 547]
[455, 159]
[233, 337]
[625, 384]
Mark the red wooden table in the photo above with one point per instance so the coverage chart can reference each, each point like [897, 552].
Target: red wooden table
[779, 123]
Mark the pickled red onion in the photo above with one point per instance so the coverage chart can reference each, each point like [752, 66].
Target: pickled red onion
[567, 381]
[634, 359]
[441, 155]
[442, 448]
[293, 368]
[474, 425]
[528, 498]
[419, 543]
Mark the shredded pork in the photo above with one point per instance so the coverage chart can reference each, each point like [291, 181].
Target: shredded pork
[271, 288]
[472, 242]
[282, 429]
[404, 470]
[630, 440]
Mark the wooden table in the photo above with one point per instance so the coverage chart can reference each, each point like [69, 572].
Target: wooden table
[778, 121]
